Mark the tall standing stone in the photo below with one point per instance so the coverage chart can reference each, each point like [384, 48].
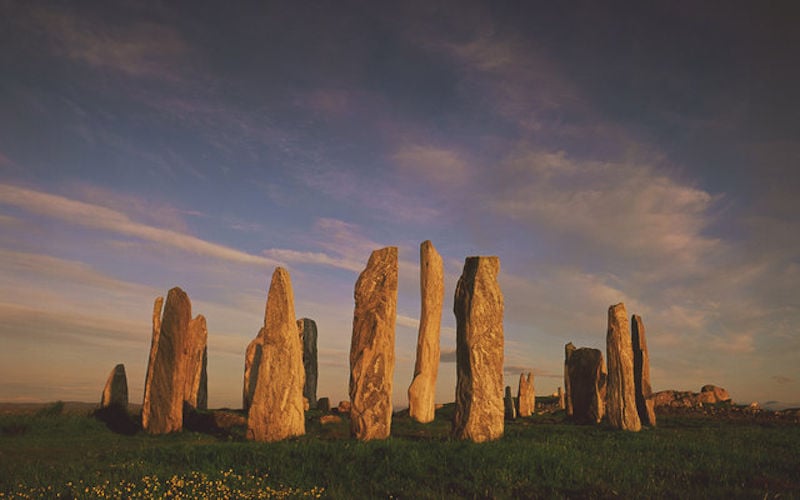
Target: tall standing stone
[641, 373]
[568, 350]
[196, 356]
[162, 411]
[621, 396]
[308, 336]
[422, 392]
[526, 395]
[252, 360]
[276, 411]
[587, 381]
[372, 347]
[509, 408]
[151, 361]
[115, 392]
[478, 308]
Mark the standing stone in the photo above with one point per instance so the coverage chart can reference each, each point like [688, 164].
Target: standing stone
[195, 392]
[568, 350]
[526, 395]
[422, 392]
[162, 411]
[151, 361]
[115, 393]
[372, 347]
[621, 397]
[308, 336]
[641, 373]
[324, 404]
[587, 382]
[478, 308]
[561, 403]
[509, 408]
[276, 411]
[252, 360]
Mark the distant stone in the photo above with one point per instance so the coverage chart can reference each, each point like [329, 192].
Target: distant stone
[162, 411]
[343, 407]
[324, 404]
[568, 350]
[196, 357]
[276, 411]
[641, 373]
[526, 395]
[711, 394]
[621, 397]
[478, 307]
[252, 360]
[372, 347]
[308, 336]
[587, 382]
[330, 419]
[422, 392]
[509, 408]
[561, 402]
[115, 392]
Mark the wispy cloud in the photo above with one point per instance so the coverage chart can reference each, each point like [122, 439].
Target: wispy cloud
[439, 165]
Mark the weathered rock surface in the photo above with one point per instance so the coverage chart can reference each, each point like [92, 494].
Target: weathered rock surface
[587, 382]
[422, 392]
[151, 361]
[308, 336]
[478, 308]
[526, 395]
[641, 373]
[329, 419]
[509, 408]
[709, 394]
[712, 394]
[196, 357]
[561, 403]
[115, 392]
[621, 397]
[343, 407]
[372, 347]
[162, 410]
[568, 350]
[276, 411]
[252, 360]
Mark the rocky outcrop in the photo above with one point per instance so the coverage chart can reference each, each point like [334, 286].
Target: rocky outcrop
[115, 392]
[422, 392]
[195, 392]
[162, 410]
[478, 308]
[372, 347]
[509, 405]
[641, 373]
[709, 394]
[252, 360]
[621, 397]
[276, 411]
[587, 381]
[568, 350]
[526, 395]
[308, 336]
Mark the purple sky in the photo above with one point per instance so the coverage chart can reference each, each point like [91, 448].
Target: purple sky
[648, 154]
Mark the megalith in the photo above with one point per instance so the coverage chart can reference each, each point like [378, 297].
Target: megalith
[526, 395]
[252, 360]
[621, 396]
[308, 336]
[641, 373]
[478, 308]
[276, 411]
[561, 403]
[115, 392]
[158, 305]
[195, 392]
[509, 408]
[569, 348]
[372, 347]
[422, 391]
[587, 385]
[162, 410]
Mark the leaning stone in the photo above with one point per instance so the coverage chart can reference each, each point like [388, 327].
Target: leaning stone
[510, 410]
[587, 381]
[641, 373]
[276, 411]
[526, 395]
[372, 347]
[422, 392]
[308, 336]
[151, 361]
[621, 396]
[478, 308]
[115, 393]
[162, 411]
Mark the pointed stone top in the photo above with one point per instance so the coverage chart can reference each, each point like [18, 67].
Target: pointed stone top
[280, 300]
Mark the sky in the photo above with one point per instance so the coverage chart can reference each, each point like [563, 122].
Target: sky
[637, 152]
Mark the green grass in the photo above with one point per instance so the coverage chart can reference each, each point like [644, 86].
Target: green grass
[49, 454]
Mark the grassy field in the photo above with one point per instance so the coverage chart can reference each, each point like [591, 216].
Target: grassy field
[51, 454]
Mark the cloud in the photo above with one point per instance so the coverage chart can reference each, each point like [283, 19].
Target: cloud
[448, 356]
[99, 217]
[439, 165]
[782, 379]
